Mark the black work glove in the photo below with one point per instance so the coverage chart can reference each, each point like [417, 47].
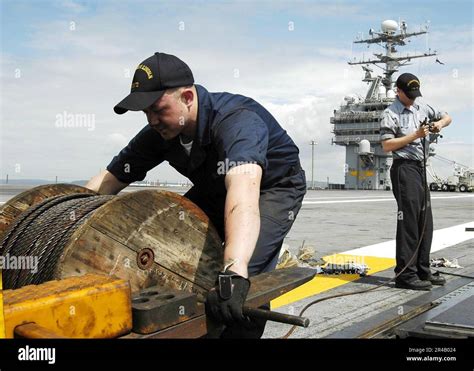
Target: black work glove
[225, 301]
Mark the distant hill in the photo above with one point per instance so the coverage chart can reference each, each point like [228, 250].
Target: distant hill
[34, 182]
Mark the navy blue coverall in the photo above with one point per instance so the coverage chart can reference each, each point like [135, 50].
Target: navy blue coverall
[231, 130]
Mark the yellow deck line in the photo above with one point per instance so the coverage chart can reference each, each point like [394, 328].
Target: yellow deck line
[323, 283]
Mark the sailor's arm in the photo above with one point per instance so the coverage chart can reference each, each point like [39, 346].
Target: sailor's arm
[242, 215]
[393, 144]
[388, 133]
[106, 183]
[442, 123]
[143, 153]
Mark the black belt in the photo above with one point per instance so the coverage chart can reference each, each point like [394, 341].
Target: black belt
[399, 161]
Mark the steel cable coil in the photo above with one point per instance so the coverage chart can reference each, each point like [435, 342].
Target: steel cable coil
[42, 232]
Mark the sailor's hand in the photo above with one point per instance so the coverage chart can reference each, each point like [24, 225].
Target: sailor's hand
[437, 126]
[225, 301]
[422, 131]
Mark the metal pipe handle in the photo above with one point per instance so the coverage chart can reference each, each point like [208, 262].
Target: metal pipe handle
[276, 316]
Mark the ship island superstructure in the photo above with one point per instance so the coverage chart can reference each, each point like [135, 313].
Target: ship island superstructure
[357, 121]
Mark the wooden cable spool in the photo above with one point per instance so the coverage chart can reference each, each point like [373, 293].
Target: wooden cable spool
[23, 201]
[147, 237]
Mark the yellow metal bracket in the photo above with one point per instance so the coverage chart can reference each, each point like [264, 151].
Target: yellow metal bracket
[89, 306]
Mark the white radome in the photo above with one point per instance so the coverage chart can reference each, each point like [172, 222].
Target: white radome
[391, 94]
[382, 92]
[364, 147]
[389, 26]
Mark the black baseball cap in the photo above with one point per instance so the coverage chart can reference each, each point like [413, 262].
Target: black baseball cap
[151, 79]
[410, 84]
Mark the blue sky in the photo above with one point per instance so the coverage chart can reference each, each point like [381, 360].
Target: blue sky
[299, 75]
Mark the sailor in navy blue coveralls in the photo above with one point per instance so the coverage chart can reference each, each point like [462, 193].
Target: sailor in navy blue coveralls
[230, 130]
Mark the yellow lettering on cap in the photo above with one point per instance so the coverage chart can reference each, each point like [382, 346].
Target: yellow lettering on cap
[135, 84]
[146, 69]
[413, 81]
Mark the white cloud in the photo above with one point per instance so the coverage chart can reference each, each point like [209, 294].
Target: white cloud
[84, 71]
[323, 9]
[116, 141]
[73, 5]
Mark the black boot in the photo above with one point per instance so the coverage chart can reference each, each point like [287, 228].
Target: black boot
[435, 279]
[415, 284]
